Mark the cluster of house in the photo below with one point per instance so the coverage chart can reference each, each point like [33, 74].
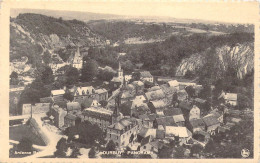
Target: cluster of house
[64, 113]
[151, 118]
[138, 115]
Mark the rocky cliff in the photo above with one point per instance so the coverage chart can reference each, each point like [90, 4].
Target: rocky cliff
[240, 56]
[33, 34]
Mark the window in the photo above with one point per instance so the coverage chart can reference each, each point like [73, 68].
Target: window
[152, 148]
[144, 147]
[116, 137]
[110, 135]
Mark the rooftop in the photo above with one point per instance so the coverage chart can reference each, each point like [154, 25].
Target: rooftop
[99, 110]
[172, 111]
[145, 74]
[182, 132]
[197, 123]
[155, 95]
[57, 92]
[210, 120]
[122, 123]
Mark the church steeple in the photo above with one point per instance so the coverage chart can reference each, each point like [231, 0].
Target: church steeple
[116, 110]
[119, 66]
[77, 60]
[116, 115]
[120, 71]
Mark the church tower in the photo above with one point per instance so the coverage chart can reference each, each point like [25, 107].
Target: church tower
[120, 72]
[116, 114]
[77, 60]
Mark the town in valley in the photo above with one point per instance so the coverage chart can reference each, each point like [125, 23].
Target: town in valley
[129, 88]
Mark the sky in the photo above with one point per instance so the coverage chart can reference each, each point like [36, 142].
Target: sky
[236, 12]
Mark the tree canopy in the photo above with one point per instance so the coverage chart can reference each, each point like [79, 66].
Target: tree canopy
[89, 70]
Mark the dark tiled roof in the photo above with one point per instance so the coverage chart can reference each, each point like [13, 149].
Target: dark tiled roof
[166, 121]
[185, 105]
[196, 123]
[152, 117]
[145, 140]
[210, 120]
[127, 104]
[172, 111]
[145, 74]
[122, 123]
[143, 131]
[160, 134]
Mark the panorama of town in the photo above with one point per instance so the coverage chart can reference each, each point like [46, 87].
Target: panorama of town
[85, 108]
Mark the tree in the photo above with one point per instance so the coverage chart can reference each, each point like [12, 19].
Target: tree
[89, 70]
[14, 78]
[174, 98]
[189, 74]
[243, 102]
[92, 153]
[68, 96]
[72, 75]
[210, 146]
[196, 149]
[165, 152]
[61, 148]
[90, 133]
[46, 57]
[25, 145]
[190, 90]
[105, 75]
[205, 93]
[179, 152]
[111, 146]
[75, 152]
[14, 75]
[45, 74]
[103, 103]
[60, 82]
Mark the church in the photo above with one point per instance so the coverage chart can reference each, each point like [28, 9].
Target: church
[120, 76]
[76, 61]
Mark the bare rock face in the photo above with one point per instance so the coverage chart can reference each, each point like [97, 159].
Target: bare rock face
[240, 57]
[192, 63]
[32, 34]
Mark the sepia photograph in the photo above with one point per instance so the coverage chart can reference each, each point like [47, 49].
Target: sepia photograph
[132, 81]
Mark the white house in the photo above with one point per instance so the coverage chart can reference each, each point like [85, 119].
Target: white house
[230, 98]
[194, 113]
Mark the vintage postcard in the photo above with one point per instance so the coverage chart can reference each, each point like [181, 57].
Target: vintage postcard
[95, 80]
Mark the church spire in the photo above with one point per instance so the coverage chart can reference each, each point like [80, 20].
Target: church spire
[116, 110]
[119, 66]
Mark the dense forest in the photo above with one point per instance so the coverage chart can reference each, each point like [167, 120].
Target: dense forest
[169, 52]
[121, 30]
